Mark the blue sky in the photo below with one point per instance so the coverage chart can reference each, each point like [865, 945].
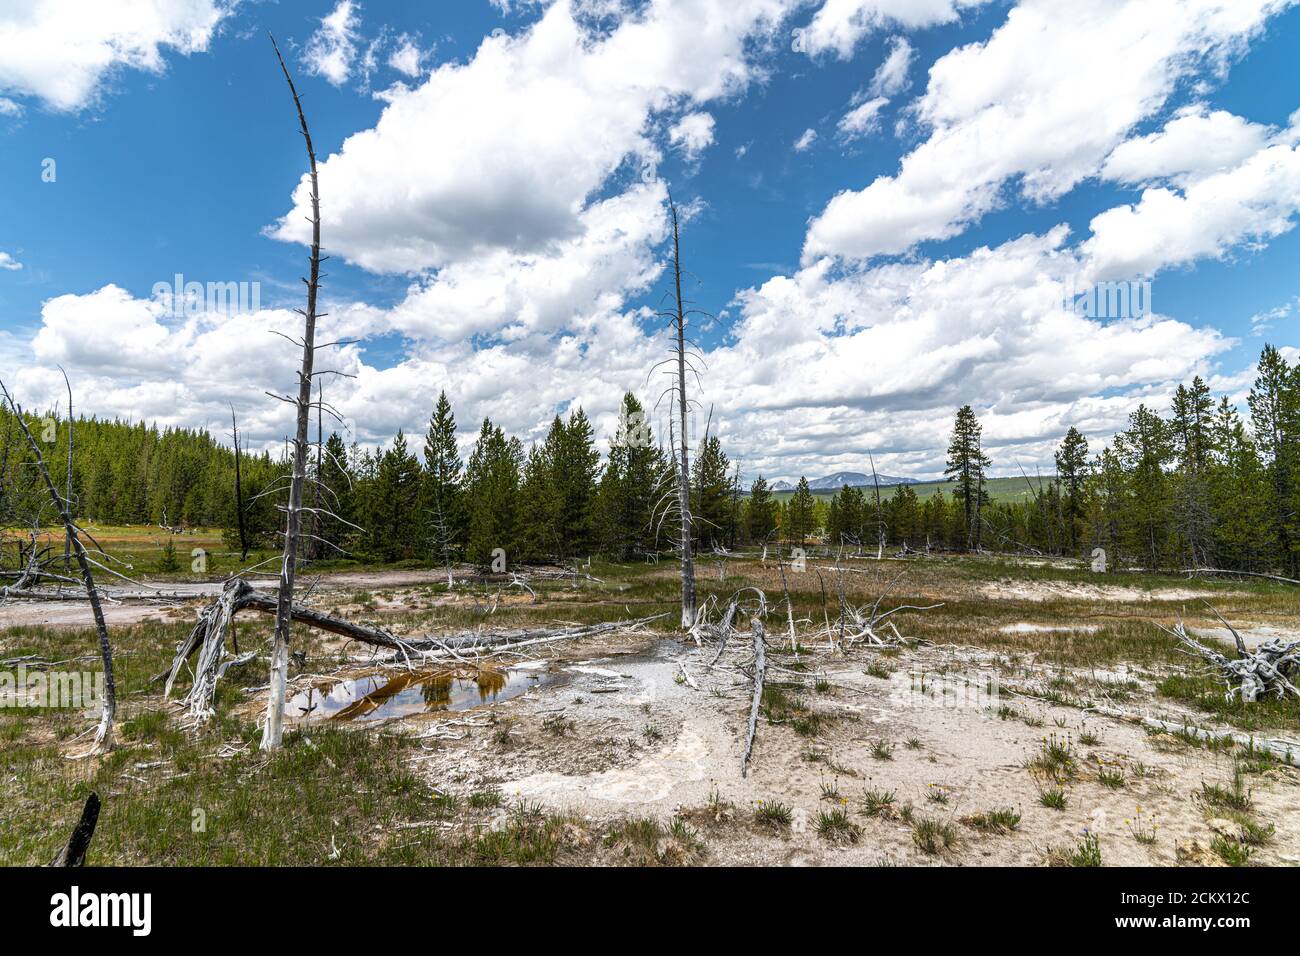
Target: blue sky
[494, 182]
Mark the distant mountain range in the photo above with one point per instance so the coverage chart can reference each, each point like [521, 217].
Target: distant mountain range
[854, 479]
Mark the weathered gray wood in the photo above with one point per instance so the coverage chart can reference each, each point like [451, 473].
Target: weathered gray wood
[683, 473]
[760, 673]
[274, 727]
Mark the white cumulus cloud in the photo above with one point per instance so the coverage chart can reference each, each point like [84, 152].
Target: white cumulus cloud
[62, 52]
[1044, 101]
[693, 133]
[839, 24]
[331, 50]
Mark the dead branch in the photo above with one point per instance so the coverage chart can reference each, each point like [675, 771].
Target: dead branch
[1266, 670]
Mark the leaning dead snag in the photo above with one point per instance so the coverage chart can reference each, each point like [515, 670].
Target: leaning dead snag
[104, 734]
[274, 728]
[74, 854]
[1252, 674]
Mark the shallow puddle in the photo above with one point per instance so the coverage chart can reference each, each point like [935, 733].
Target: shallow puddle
[381, 696]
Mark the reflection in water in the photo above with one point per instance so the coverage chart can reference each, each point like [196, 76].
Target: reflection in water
[380, 696]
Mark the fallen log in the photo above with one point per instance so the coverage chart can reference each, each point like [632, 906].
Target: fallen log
[760, 672]
[208, 638]
[1285, 750]
[1248, 574]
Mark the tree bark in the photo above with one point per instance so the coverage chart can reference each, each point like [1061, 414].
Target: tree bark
[239, 491]
[67, 540]
[274, 728]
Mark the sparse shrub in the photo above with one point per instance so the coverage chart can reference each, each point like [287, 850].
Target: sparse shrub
[487, 798]
[998, 820]
[878, 803]
[1235, 797]
[1143, 830]
[1055, 759]
[1113, 778]
[933, 836]
[773, 814]
[1053, 797]
[557, 725]
[502, 736]
[1087, 852]
[1230, 851]
[836, 827]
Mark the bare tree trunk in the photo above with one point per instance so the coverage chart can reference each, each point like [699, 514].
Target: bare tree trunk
[273, 731]
[239, 491]
[318, 526]
[683, 475]
[104, 735]
[67, 540]
[880, 515]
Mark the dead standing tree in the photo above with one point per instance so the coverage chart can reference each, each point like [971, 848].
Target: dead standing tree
[104, 734]
[274, 728]
[678, 318]
[67, 541]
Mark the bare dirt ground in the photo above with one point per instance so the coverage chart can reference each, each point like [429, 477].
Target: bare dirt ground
[644, 742]
[119, 611]
[637, 737]
[1056, 590]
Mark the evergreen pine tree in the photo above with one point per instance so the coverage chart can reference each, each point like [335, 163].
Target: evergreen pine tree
[967, 468]
[492, 489]
[761, 511]
[1071, 471]
[800, 513]
[710, 494]
[441, 500]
